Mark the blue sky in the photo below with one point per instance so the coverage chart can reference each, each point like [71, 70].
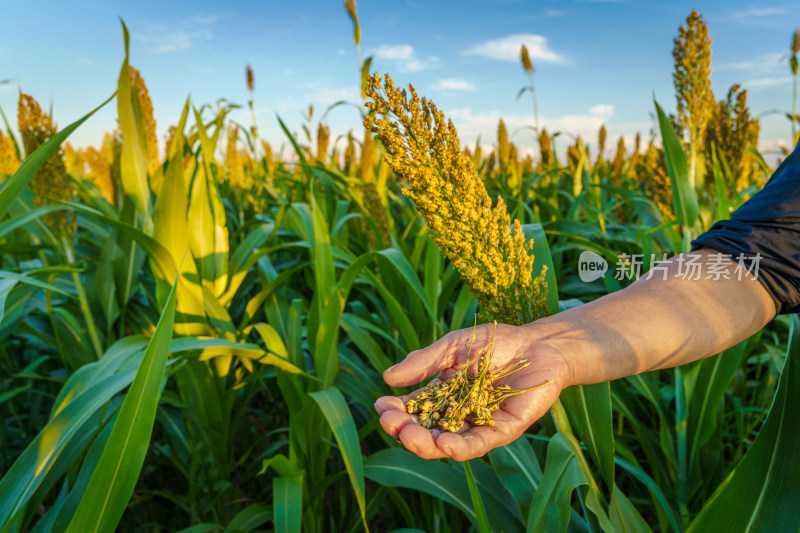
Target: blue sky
[596, 61]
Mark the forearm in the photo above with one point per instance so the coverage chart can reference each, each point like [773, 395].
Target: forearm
[656, 323]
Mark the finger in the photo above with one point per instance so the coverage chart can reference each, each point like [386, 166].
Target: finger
[478, 440]
[439, 356]
[397, 402]
[394, 420]
[424, 363]
[384, 403]
[532, 405]
[420, 441]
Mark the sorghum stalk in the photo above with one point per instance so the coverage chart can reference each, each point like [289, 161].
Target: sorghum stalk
[83, 302]
[527, 65]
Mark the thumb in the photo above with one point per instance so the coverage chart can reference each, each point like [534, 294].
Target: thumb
[426, 362]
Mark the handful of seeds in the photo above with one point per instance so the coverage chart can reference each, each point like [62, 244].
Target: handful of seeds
[447, 404]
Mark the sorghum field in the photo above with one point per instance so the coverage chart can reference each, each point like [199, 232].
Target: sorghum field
[192, 335]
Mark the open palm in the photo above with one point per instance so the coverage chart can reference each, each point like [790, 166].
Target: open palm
[446, 356]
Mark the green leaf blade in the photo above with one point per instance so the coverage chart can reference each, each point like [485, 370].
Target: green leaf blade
[334, 407]
[684, 198]
[114, 479]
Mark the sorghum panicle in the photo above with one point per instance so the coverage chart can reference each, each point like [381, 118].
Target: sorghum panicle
[490, 252]
[233, 160]
[9, 162]
[51, 180]
[146, 106]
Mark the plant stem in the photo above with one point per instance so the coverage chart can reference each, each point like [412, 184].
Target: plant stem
[477, 503]
[83, 302]
[535, 107]
[681, 423]
[692, 157]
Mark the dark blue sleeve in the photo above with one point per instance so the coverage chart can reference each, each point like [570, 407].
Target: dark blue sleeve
[768, 224]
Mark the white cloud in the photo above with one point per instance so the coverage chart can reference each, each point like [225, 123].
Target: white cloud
[162, 39]
[772, 149]
[205, 20]
[758, 12]
[603, 111]
[453, 85]
[765, 70]
[405, 57]
[768, 81]
[326, 96]
[203, 69]
[508, 48]
[762, 63]
[471, 125]
[397, 52]
[85, 61]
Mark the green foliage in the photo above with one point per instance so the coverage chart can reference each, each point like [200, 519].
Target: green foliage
[254, 410]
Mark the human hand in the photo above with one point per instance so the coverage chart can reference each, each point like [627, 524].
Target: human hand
[512, 344]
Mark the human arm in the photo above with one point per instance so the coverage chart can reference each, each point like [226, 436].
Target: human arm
[654, 323]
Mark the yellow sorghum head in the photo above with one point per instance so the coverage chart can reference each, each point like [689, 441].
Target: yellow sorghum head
[490, 252]
[146, 105]
[100, 173]
[250, 78]
[369, 159]
[491, 162]
[526, 59]
[168, 137]
[573, 156]
[107, 146]
[478, 154]
[513, 161]
[796, 41]
[637, 144]
[350, 7]
[692, 77]
[375, 209]
[323, 138]
[546, 149]
[503, 148]
[233, 159]
[730, 131]
[618, 162]
[51, 180]
[601, 142]
[269, 158]
[350, 155]
[652, 174]
[112, 152]
[527, 165]
[9, 162]
[72, 159]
